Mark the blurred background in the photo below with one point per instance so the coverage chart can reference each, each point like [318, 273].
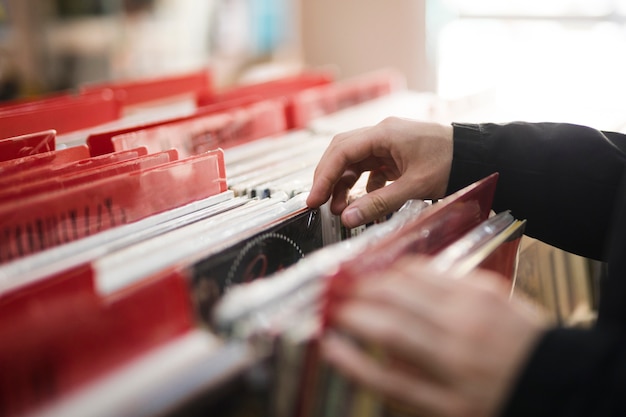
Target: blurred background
[489, 60]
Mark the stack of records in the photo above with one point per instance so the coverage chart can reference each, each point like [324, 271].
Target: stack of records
[284, 315]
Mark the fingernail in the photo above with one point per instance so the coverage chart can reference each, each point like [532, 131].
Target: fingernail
[352, 216]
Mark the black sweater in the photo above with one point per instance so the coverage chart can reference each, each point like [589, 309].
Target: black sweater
[569, 182]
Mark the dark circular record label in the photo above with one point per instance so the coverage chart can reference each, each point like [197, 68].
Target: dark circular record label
[262, 256]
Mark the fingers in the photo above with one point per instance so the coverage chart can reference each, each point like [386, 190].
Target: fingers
[334, 162]
[379, 203]
[395, 313]
[416, 156]
[377, 179]
[342, 189]
[457, 340]
[424, 397]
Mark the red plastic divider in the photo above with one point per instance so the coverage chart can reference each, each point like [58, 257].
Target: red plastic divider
[101, 143]
[282, 88]
[59, 334]
[32, 224]
[29, 144]
[65, 114]
[85, 176]
[39, 172]
[53, 158]
[311, 103]
[134, 92]
[220, 130]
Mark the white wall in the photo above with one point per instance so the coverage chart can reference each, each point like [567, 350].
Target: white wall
[362, 35]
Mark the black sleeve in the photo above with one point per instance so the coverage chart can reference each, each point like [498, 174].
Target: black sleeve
[573, 373]
[562, 178]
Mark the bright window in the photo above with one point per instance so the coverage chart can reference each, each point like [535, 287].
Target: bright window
[533, 60]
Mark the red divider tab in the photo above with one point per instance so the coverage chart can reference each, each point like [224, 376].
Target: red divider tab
[319, 101]
[50, 99]
[220, 130]
[72, 179]
[47, 171]
[39, 222]
[283, 88]
[65, 114]
[271, 88]
[53, 158]
[25, 145]
[101, 143]
[58, 334]
[146, 90]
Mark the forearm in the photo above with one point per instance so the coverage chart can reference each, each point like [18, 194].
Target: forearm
[562, 178]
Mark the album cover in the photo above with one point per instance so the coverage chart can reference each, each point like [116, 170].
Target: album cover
[273, 249]
[493, 244]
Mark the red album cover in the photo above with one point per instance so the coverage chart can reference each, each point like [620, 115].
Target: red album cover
[492, 245]
[438, 225]
[35, 223]
[504, 259]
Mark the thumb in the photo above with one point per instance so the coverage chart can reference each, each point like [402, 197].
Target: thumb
[374, 205]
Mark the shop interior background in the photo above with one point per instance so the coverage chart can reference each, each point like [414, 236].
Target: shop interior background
[487, 60]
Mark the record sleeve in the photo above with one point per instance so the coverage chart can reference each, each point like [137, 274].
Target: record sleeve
[270, 304]
[472, 249]
[440, 224]
[282, 244]
[186, 244]
[237, 246]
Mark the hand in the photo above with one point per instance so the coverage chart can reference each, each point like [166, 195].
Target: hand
[416, 156]
[452, 346]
